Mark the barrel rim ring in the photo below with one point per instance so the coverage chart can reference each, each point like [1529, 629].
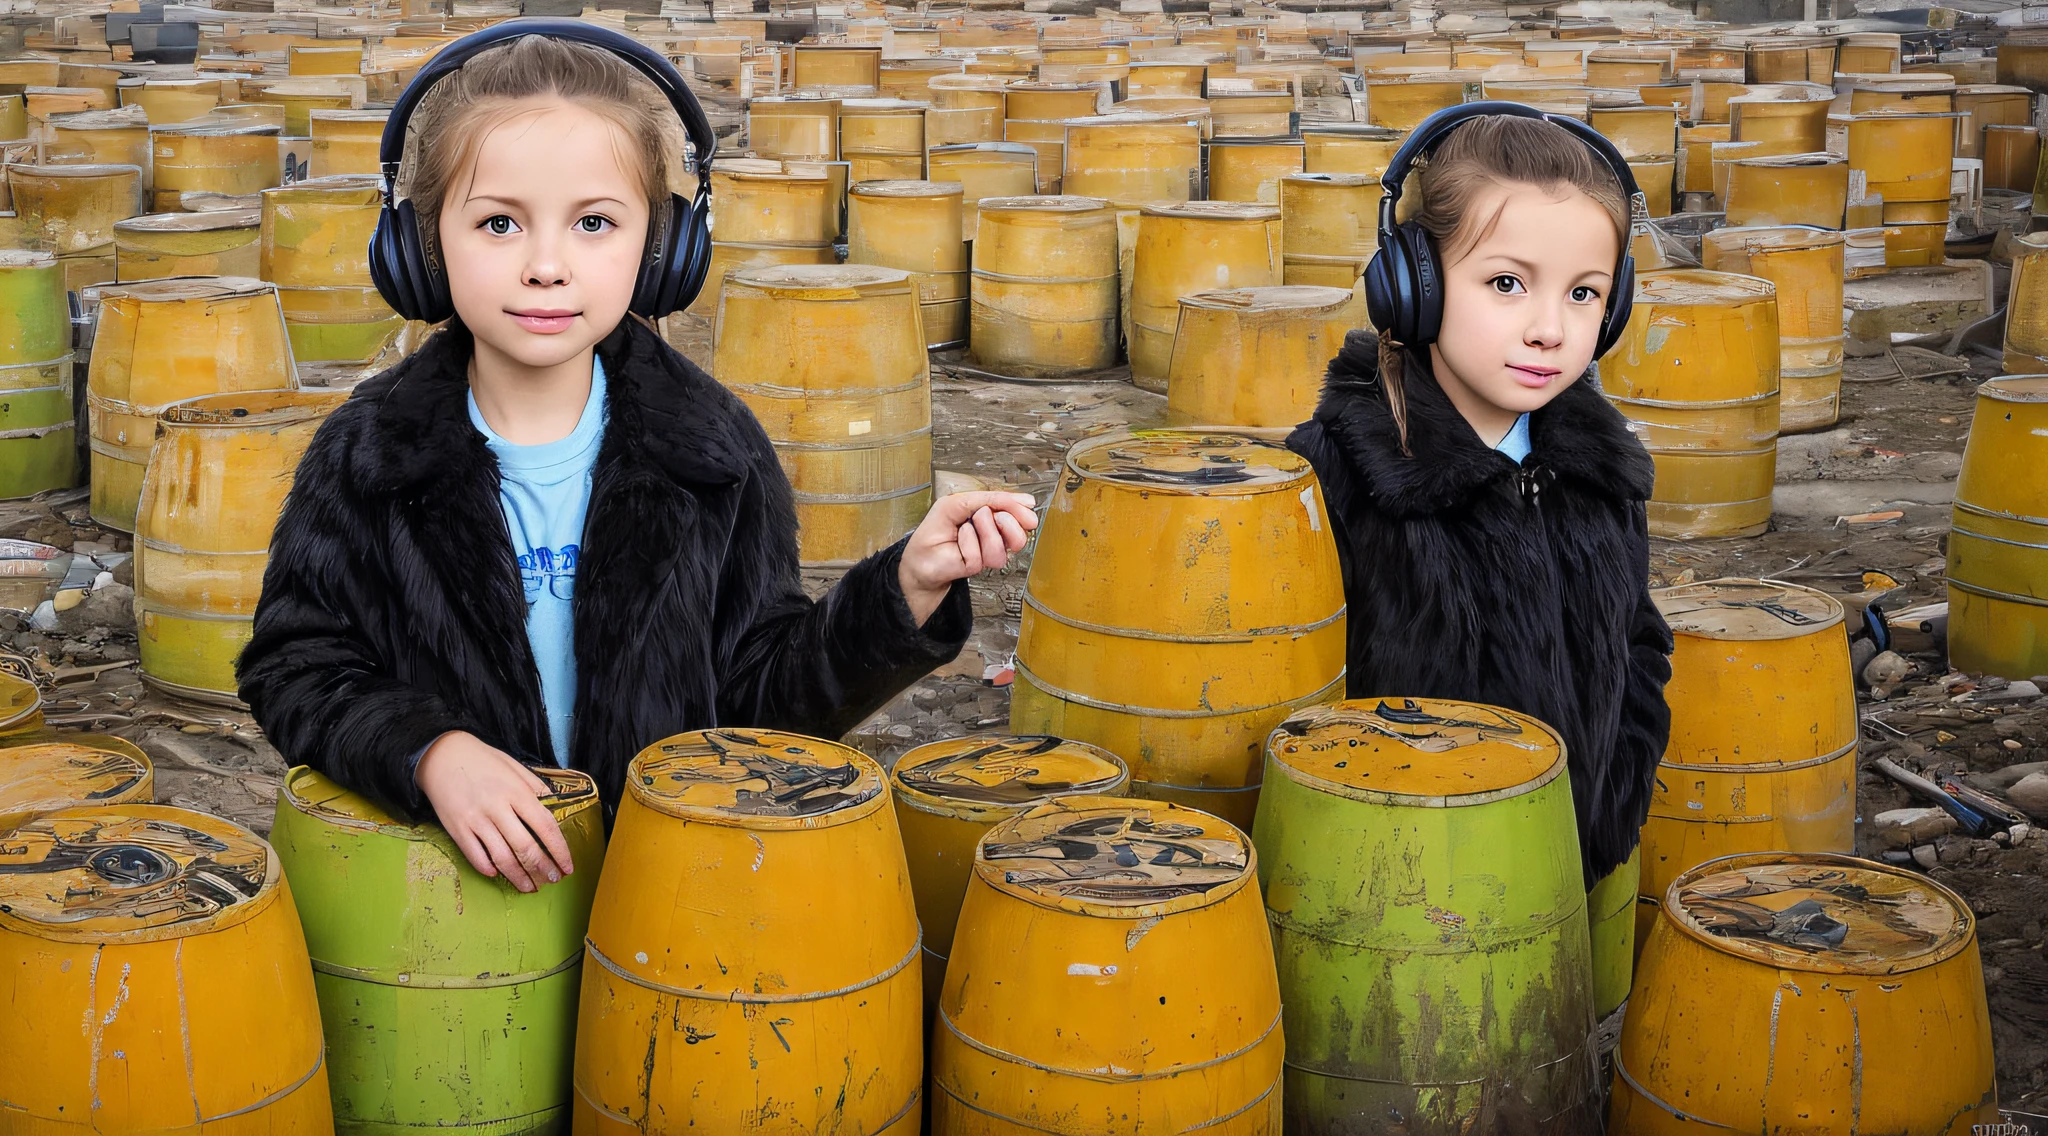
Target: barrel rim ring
[1236, 638]
[1837, 613]
[982, 871]
[739, 998]
[1983, 592]
[700, 814]
[1989, 388]
[426, 832]
[1099, 1077]
[1961, 937]
[1025, 673]
[1312, 782]
[1996, 515]
[979, 812]
[1292, 483]
[1733, 767]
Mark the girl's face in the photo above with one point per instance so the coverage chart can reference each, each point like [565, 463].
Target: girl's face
[1522, 302]
[541, 236]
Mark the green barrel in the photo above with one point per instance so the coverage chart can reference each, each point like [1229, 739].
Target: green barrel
[1611, 917]
[38, 435]
[1420, 862]
[448, 998]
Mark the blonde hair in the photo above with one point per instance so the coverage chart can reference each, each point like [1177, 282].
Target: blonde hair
[451, 123]
[1486, 152]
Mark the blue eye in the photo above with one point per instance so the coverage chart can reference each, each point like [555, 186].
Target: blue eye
[592, 223]
[1506, 284]
[500, 225]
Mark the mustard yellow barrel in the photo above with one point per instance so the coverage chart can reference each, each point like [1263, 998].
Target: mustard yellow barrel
[950, 793]
[2012, 155]
[794, 127]
[1791, 189]
[219, 243]
[217, 478]
[1200, 246]
[1794, 113]
[172, 100]
[112, 137]
[1806, 266]
[1043, 102]
[39, 448]
[2026, 319]
[71, 210]
[1044, 287]
[1696, 373]
[1998, 544]
[21, 709]
[1903, 156]
[1329, 225]
[1420, 860]
[752, 958]
[832, 361]
[316, 242]
[422, 964]
[214, 154]
[1637, 131]
[1807, 993]
[1132, 161]
[1254, 356]
[915, 226]
[164, 341]
[965, 109]
[1762, 755]
[1112, 974]
[1250, 169]
[767, 213]
[1403, 103]
[1346, 149]
[345, 141]
[157, 979]
[984, 170]
[882, 139]
[1184, 598]
[61, 772]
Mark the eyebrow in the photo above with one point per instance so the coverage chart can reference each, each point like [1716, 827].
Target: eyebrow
[584, 204]
[1531, 267]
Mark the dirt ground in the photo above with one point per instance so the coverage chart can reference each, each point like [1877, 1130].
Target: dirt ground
[1898, 448]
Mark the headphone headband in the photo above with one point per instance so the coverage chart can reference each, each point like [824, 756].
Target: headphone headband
[1423, 140]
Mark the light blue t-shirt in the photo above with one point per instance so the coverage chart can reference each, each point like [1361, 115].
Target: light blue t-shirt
[545, 490]
[1516, 444]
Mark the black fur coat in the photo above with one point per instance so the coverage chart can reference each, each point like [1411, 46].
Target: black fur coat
[1528, 588]
[392, 610]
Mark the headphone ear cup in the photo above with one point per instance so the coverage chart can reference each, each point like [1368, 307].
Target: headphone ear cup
[1426, 314]
[1382, 289]
[1620, 302]
[1402, 294]
[384, 259]
[424, 291]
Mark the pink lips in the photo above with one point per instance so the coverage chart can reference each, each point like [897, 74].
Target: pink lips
[1533, 376]
[544, 321]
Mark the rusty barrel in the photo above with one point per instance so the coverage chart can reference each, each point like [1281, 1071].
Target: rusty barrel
[1998, 543]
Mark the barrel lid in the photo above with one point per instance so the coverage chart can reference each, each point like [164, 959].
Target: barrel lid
[1346, 180]
[176, 289]
[1116, 857]
[1697, 286]
[1766, 237]
[1663, 109]
[2016, 388]
[340, 189]
[1032, 88]
[206, 201]
[46, 775]
[962, 82]
[1307, 299]
[178, 84]
[1428, 752]
[1272, 143]
[882, 106]
[22, 258]
[123, 118]
[796, 99]
[191, 222]
[82, 170]
[340, 114]
[1929, 82]
[215, 124]
[1171, 461]
[320, 797]
[1785, 93]
[1048, 203]
[755, 778]
[1215, 211]
[1882, 114]
[266, 408]
[823, 281]
[19, 699]
[1002, 774]
[1014, 149]
[907, 188]
[1790, 161]
[764, 169]
[1354, 131]
[131, 872]
[1746, 609]
[1819, 912]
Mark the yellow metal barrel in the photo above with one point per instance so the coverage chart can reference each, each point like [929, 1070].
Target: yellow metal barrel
[1184, 598]
[767, 212]
[915, 226]
[220, 243]
[1998, 545]
[1254, 356]
[752, 959]
[216, 481]
[950, 793]
[1638, 131]
[1200, 246]
[1048, 139]
[1044, 287]
[831, 359]
[1793, 113]
[71, 210]
[1903, 156]
[836, 65]
[66, 771]
[984, 170]
[1112, 974]
[214, 154]
[1250, 169]
[1044, 102]
[1696, 147]
[1807, 993]
[166, 101]
[2012, 155]
[345, 141]
[105, 137]
[965, 108]
[38, 431]
[1348, 150]
[164, 341]
[1696, 373]
[1130, 161]
[1762, 753]
[2026, 321]
[1986, 105]
[1806, 266]
[794, 127]
[157, 978]
[1789, 189]
[882, 139]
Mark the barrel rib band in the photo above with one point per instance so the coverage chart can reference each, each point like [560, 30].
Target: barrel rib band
[803, 498]
[1762, 766]
[1997, 515]
[1245, 636]
[1995, 594]
[621, 1118]
[412, 981]
[1097, 1075]
[1022, 1123]
[1464, 945]
[738, 998]
[1028, 675]
[275, 1097]
[1621, 1068]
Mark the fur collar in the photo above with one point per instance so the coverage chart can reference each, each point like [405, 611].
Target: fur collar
[661, 410]
[1579, 436]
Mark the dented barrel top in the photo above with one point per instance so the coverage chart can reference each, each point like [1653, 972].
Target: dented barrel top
[1173, 461]
[340, 188]
[908, 188]
[1049, 203]
[821, 281]
[1697, 286]
[1308, 299]
[42, 776]
[191, 222]
[755, 779]
[1746, 609]
[260, 408]
[1819, 912]
[176, 289]
[318, 796]
[131, 873]
[2016, 388]
[767, 169]
[1115, 857]
[1214, 211]
[1001, 774]
[1425, 752]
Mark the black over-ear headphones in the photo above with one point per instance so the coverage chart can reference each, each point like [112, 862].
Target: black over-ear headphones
[1404, 285]
[678, 238]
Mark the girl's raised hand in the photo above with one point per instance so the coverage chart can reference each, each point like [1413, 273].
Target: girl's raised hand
[964, 534]
[490, 804]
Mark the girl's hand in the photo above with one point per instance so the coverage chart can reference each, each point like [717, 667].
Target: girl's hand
[490, 804]
[964, 534]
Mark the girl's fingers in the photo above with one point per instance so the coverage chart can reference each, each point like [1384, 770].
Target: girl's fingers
[1013, 533]
[992, 553]
[970, 548]
[519, 838]
[541, 823]
[532, 780]
[473, 850]
[501, 854]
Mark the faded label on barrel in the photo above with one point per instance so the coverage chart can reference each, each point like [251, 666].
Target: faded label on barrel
[39, 778]
[757, 773]
[1130, 855]
[109, 871]
[1867, 920]
[1189, 461]
[1417, 746]
[1008, 770]
[1746, 609]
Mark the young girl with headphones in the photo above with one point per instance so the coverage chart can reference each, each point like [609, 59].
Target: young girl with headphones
[547, 537]
[1488, 503]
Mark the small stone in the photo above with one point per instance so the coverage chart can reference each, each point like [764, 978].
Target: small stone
[1888, 669]
[1925, 857]
[112, 607]
[68, 599]
[2030, 795]
[2012, 744]
[1943, 737]
[1903, 828]
[124, 573]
